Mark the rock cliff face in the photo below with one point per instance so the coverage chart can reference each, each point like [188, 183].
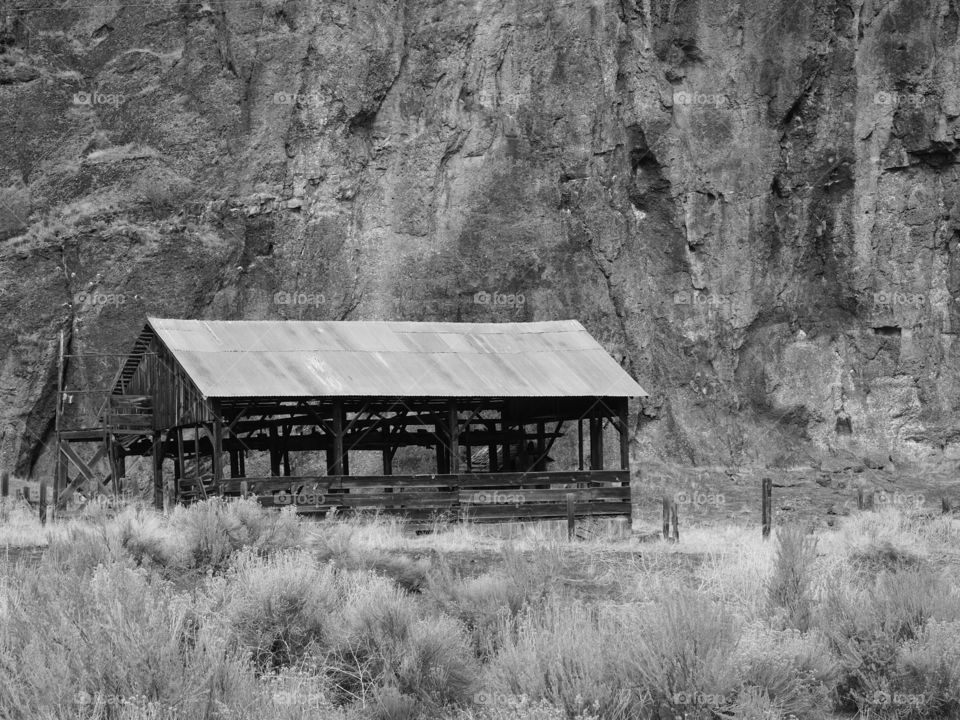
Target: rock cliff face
[752, 204]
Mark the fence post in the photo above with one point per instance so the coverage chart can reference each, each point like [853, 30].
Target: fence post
[43, 501]
[766, 496]
[243, 489]
[571, 519]
[945, 505]
[666, 518]
[4, 494]
[675, 519]
[26, 494]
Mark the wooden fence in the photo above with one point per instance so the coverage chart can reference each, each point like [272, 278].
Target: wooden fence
[473, 496]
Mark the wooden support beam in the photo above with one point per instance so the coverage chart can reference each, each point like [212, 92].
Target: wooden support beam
[60, 467]
[338, 466]
[43, 501]
[157, 470]
[274, 451]
[181, 462]
[285, 451]
[78, 463]
[596, 443]
[217, 449]
[580, 444]
[234, 463]
[61, 478]
[196, 449]
[388, 461]
[453, 436]
[524, 455]
[541, 463]
[623, 423]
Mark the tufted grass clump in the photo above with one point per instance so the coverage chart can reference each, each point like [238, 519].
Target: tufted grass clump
[791, 585]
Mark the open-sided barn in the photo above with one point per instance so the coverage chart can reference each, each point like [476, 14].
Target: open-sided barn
[487, 400]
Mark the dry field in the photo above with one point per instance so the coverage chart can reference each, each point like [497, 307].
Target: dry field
[226, 610]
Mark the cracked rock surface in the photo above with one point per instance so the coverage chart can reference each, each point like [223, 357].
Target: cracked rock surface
[752, 205]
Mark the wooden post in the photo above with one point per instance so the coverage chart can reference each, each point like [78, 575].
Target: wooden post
[242, 460]
[338, 459]
[182, 471]
[243, 489]
[285, 450]
[60, 467]
[945, 505]
[541, 447]
[860, 498]
[121, 467]
[571, 519]
[492, 465]
[196, 450]
[157, 471]
[441, 449]
[234, 463]
[453, 437]
[60, 476]
[508, 460]
[675, 519]
[43, 501]
[217, 449]
[26, 494]
[275, 452]
[766, 491]
[524, 455]
[580, 444]
[624, 427]
[4, 485]
[596, 443]
[666, 518]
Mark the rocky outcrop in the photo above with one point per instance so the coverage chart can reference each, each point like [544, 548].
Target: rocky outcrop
[752, 205]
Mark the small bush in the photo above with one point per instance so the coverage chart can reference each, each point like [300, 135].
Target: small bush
[209, 532]
[279, 607]
[391, 704]
[883, 555]
[483, 602]
[928, 669]
[385, 642]
[567, 656]
[80, 549]
[112, 634]
[866, 627]
[794, 672]
[411, 575]
[790, 588]
[683, 651]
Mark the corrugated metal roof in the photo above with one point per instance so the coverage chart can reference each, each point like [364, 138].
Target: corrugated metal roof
[295, 358]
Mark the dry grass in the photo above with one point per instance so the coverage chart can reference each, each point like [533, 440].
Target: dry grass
[227, 610]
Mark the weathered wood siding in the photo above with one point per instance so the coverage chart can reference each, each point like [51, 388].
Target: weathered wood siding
[176, 401]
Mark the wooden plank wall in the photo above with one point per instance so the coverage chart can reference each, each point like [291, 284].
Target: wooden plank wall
[481, 496]
[176, 401]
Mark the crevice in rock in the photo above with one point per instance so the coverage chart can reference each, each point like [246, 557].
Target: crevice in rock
[887, 331]
[843, 426]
